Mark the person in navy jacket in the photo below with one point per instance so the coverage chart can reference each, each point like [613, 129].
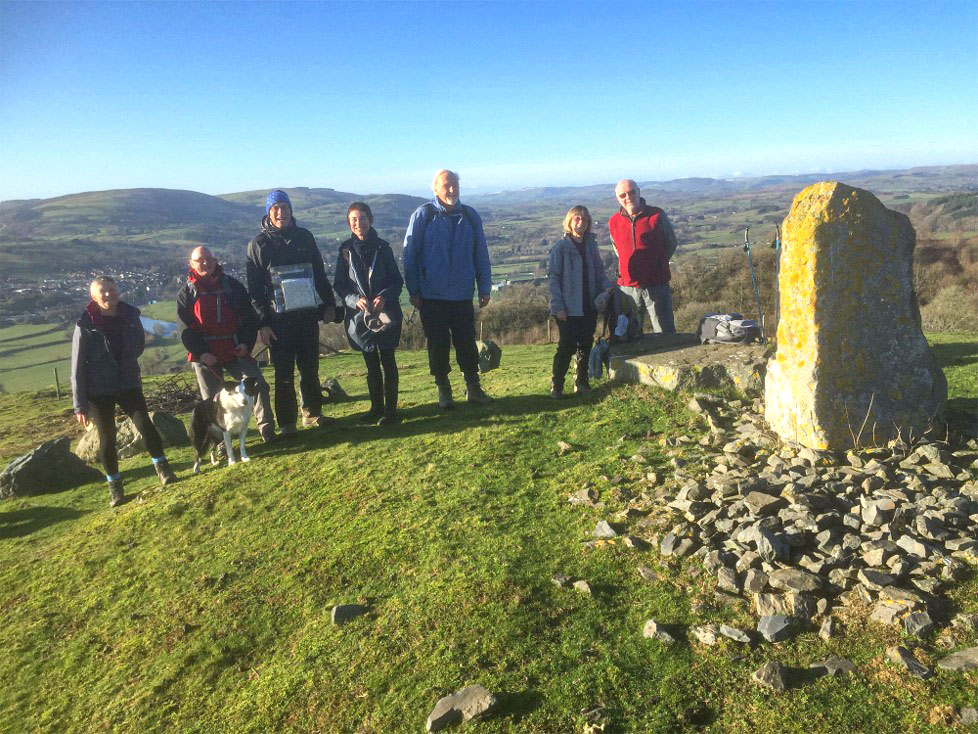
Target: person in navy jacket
[445, 256]
[369, 284]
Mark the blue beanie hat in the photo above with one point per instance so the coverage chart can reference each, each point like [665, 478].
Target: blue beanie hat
[276, 197]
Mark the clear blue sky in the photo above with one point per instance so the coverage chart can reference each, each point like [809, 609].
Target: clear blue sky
[373, 97]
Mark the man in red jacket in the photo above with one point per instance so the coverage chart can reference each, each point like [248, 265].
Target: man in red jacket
[221, 330]
[644, 241]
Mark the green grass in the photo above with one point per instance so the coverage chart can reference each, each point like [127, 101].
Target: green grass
[206, 607]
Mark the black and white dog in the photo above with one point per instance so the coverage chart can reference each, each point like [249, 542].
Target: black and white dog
[227, 413]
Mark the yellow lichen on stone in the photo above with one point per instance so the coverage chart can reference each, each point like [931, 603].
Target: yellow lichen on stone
[848, 332]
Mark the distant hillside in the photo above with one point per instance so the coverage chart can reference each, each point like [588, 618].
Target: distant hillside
[117, 212]
[302, 197]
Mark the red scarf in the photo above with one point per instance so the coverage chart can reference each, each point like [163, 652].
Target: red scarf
[109, 326]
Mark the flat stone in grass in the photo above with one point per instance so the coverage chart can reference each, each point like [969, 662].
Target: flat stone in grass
[834, 667]
[771, 675]
[793, 579]
[774, 627]
[968, 715]
[583, 586]
[469, 703]
[707, 634]
[343, 613]
[904, 658]
[604, 530]
[962, 660]
[654, 630]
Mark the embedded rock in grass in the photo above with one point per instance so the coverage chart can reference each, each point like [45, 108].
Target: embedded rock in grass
[961, 660]
[604, 530]
[129, 441]
[469, 703]
[343, 613]
[904, 658]
[560, 580]
[850, 351]
[647, 574]
[771, 675]
[834, 667]
[583, 586]
[969, 715]
[48, 468]
[563, 447]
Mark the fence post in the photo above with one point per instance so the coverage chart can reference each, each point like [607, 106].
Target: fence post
[57, 384]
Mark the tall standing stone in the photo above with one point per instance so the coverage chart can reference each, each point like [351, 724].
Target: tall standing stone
[850, 347]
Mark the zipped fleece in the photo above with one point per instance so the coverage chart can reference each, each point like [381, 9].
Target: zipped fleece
[94, 371]
[446, 257]
[644, 245]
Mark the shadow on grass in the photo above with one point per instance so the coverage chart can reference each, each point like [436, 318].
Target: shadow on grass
[517, 704]
[955, 354]
[21, 523]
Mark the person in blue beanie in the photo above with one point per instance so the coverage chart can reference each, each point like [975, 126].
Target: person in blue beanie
[445, 256]
[291, 294]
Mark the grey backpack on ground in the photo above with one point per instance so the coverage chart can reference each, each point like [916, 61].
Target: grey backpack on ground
[728, 328]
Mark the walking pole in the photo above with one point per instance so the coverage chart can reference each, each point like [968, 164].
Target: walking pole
[753, 280]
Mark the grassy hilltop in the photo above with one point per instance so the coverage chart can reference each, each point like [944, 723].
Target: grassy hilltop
[206, 607]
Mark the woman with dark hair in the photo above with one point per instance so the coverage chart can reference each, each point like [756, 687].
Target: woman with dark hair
[368, 281]
[576, 277]
[106, 345]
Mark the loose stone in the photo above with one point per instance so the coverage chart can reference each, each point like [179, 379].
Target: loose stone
[918, 624]
[903, 657]
[734, 634]
[583, 586]
[755, 581]
[708, 634]
[604, 530]
[654, 630]
[647, 574]
[793, 579]
[770, 675]
[774, 627]
[827, 630]
[727, 580]
[469, 703]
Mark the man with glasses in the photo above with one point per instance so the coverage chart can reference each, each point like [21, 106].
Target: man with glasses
[644, 242]
[221, 329]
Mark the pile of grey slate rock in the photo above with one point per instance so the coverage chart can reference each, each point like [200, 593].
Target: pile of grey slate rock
[802, 534]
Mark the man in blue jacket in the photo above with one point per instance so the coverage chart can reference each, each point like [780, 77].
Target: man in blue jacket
[445, 255]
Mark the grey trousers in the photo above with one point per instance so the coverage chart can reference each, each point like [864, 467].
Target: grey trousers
[210, 385]
[655, 300]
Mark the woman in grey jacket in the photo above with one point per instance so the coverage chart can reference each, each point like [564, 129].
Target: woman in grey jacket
[576, 277]
[106, 345]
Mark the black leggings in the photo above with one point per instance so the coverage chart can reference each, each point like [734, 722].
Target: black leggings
[102, 412]
[375, 359]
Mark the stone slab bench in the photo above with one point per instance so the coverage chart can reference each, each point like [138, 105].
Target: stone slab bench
[680, 362]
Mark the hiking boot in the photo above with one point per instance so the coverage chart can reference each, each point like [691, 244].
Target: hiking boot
[268, 434]
[164, 472]
[316, 421]
[289, 432]
[581, 388]
[445, 399]
[389, 419]
[116, 494]
[370, 416]
[556, 390]
[475, 394]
